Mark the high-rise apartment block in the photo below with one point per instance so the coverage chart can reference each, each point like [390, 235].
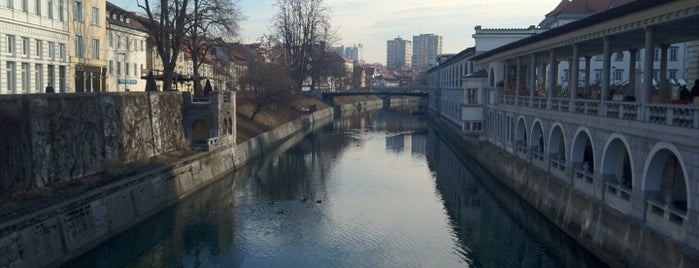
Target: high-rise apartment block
[426, 48]
[399, 54]
[355, 52]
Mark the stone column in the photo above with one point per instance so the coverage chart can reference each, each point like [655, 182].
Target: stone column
[532, 79]
[662, 75]
[632, 71]
[506, 81]
[574, 72]
[606, 68]
[551, 77]
[588, 72]
[648, 66]
[518, 83]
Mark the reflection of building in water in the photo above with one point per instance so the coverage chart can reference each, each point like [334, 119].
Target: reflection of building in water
[418, 144]
[489, 234]
[396, 143]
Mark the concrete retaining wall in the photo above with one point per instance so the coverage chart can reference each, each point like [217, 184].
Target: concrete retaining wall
[59, 233]
[616, 239]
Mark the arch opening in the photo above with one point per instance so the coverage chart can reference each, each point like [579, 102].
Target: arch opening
[665, 180]
[200, 130]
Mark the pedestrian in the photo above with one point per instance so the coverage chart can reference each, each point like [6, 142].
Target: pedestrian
[685, 95]
[49, 89]
[695, 92]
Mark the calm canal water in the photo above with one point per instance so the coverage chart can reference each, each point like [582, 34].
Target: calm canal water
[374, 190]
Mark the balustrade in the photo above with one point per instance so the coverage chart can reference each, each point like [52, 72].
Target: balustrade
[678, 115]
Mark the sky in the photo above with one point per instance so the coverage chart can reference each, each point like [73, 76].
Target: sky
[373, 22]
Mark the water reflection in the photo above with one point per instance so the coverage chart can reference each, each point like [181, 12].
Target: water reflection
[372, 190]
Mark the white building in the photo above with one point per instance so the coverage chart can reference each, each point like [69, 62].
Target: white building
[33, 46]
[126, 51]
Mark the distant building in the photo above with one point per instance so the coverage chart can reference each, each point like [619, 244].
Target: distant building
[88, 32]
[426, 48]
[399, 54]
[355, 52]
[33, 40]
[125, 52]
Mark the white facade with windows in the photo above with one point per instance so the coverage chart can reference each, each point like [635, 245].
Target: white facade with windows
[126, 52]
[33, 40]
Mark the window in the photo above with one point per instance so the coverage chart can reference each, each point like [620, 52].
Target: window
[118, 41]
[10, 5]
[656, 73]
[142, 45]
[50, 9]
[38, 78]
[38, 48]
[126, 68]
[52, 50]
[96, 49]
[566, 74]
[656, 55]
[673, 54]
[37, 7]
[118, 68]
[25, 5]
[61, 7]
[25, 46]
[62, 79]
[127, 43]
[11, 44]
[79, 49]
[62, 51]
[598, 75]
[599, 57]
[672, 73]
[135, 69]
[111, 67]
[618, 74]
[95, 16]
[24, 75]
[52, 75]
[78, 11]
[111, 39]
[11, 77]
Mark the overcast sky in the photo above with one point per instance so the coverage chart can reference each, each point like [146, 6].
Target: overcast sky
[373, 22]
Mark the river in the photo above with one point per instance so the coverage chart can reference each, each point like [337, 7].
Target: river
[379, 189]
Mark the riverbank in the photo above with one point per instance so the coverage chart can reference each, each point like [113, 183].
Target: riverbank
[68, 227]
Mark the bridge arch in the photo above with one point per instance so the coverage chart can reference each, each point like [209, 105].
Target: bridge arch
[666, 176]
[617, 163]
[582, 151]
[557, 144]
[200, 130]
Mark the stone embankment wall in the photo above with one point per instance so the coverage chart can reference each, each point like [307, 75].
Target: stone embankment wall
[615, 238]
[49, 138]
[59, 233]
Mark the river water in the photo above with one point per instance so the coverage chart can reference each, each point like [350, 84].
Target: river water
[379, 189]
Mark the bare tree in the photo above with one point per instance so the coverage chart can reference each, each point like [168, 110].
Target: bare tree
[165, 22]
[267, 84]
[209, 24]
[172, 22]
[302, 26]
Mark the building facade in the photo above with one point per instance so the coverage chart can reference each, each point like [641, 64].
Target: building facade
[426, 48]
[88, 31]
[399, 54]
[34, 38]
[125, 52]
